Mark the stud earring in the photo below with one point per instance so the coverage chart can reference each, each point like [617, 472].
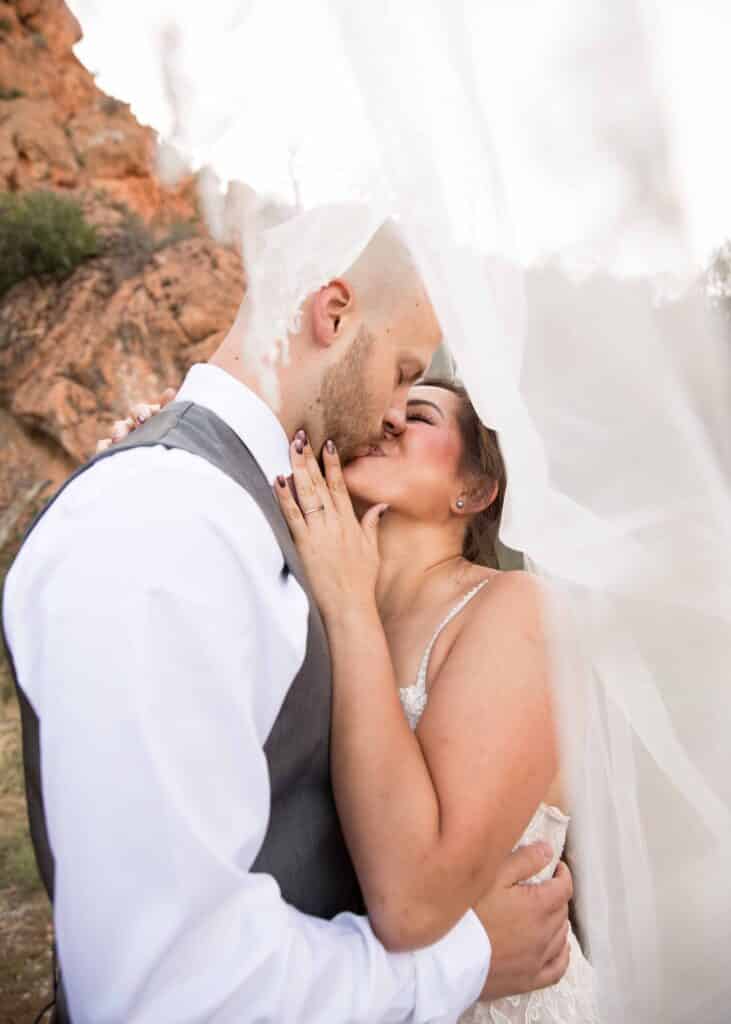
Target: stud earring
[460, 503]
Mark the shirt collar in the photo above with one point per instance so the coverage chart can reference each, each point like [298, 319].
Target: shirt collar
[243, 411]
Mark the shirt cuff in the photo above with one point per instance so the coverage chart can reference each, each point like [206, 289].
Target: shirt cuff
[451, 974]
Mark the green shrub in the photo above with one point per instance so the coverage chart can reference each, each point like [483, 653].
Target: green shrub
[131, 246]
[178, 231]
[133, 243]
[42, 233]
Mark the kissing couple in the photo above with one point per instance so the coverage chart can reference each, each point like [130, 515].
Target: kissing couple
[289, 741]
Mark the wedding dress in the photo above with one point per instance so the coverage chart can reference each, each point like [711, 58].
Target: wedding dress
[572, 999]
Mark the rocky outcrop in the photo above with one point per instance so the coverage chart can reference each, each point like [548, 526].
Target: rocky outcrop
[74, 354]
[58, 129]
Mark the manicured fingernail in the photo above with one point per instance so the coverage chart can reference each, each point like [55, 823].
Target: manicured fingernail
[330, 445]
[299, 446]
[300, 435]
[281, 481]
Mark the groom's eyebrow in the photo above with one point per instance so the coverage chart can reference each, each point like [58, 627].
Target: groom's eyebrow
[424, 401]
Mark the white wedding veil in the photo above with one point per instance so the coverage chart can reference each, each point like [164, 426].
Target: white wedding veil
[530, 160]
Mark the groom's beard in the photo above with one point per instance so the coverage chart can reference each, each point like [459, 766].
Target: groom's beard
[349, 419]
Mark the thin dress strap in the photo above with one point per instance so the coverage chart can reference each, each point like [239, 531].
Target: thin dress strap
[424, 666]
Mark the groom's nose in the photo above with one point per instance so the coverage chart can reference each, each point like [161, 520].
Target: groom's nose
[394, 422]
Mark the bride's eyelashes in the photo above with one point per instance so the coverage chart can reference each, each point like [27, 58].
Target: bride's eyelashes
[420, 417]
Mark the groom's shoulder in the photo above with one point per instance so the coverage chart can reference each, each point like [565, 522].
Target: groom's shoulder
[150, 479]
[170, 496]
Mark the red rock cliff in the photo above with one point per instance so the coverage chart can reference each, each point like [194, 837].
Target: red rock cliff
[74, 354]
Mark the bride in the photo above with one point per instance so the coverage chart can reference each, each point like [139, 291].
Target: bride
[444, 749]
[422, 635]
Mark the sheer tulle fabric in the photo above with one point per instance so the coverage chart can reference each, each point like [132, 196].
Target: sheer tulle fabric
[612, 403]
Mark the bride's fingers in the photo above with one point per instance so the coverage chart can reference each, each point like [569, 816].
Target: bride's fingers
[141, 412]
[318, 480]
[371, 520]
[335, 480]
[307, 495]
[138, 414]
[120, 429]
[290, 508]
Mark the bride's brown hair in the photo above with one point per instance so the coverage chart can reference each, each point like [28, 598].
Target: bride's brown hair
[483, 463]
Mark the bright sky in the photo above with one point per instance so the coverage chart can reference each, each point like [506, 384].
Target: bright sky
[243, 100]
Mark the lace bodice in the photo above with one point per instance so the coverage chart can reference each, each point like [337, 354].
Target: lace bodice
[572, 999]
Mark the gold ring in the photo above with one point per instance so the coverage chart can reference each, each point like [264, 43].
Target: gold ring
[310, 511]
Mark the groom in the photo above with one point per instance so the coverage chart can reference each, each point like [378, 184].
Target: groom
[174, 680]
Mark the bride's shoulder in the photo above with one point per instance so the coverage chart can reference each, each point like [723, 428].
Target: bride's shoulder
[510, 595]
[501, 625]
[504, 582]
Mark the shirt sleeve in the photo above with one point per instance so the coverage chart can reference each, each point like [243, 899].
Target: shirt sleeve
[153, 641]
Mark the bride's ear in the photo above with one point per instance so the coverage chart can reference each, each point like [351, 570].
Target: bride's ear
[329, 305]
[470, 502]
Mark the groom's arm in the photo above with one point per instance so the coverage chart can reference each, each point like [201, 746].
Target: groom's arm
[160, 640]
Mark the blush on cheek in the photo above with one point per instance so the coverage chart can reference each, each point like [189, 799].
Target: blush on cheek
[439, 450]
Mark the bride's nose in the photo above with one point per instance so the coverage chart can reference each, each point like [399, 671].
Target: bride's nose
[394, 423]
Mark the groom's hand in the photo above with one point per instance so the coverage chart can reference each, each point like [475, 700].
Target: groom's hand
[527, 925]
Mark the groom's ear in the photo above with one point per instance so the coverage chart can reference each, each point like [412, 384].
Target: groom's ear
[329, 307]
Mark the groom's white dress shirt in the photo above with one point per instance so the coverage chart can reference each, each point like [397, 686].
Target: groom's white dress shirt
[156, 638]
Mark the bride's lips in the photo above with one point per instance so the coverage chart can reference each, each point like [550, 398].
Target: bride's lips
[369, 451]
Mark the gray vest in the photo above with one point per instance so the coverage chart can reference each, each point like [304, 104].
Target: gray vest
[303, 847]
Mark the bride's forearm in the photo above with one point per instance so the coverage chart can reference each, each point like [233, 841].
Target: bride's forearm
[386, 798]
